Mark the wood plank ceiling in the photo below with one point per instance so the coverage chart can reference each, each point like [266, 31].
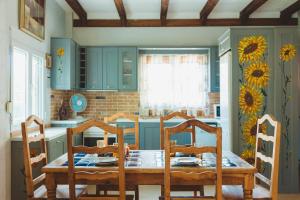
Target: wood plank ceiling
[244, 20]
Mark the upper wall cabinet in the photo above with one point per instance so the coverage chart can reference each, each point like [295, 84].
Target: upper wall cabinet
[94, 68]
[128, 69]
[110, 68]
[214, 70]
[63, 52]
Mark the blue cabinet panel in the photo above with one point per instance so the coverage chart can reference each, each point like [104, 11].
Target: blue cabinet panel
[214, 70]
[128, 138]
[63, 65]
[149, 136]
[94, 68]
[110, 68]
[128, 69]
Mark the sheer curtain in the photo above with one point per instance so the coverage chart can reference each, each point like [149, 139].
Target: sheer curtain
[173, 81]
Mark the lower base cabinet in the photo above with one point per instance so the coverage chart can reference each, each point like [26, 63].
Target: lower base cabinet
[55, 148]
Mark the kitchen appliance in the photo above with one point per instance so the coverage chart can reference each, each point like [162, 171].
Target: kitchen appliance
[217, 110]
[78, 103]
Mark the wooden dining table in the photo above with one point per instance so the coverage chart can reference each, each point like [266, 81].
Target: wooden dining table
[146, 167]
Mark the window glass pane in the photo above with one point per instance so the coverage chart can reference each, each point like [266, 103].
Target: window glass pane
[19, 72]
[37, 86]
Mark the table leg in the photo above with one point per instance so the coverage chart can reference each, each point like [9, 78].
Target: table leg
[51, 186]
[248, 186]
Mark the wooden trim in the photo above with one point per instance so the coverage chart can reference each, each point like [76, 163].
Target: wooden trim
[192, 149]
[250, 8]
[121, 10]
[187, 22]
[287, 13]
[17, 133]
[206, 10]
[78, 9]
[164, 11]
[92, 150]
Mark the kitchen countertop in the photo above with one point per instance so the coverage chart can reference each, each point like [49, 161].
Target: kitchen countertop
[176, 120]
[50, 133]
[69, 121]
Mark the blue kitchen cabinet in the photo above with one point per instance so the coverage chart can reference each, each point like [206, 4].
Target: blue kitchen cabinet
[127, 69]
[149, 136]
[128, 138]
[214, 70]
[110, 68]
[63, 51]
[94, 68]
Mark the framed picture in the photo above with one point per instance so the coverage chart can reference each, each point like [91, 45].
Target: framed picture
[48, 59]
[32, 17]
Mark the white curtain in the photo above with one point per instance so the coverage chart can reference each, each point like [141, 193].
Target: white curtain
[173, 81]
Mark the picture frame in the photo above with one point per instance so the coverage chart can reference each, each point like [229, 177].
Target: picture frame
[32, 18]
[48, 59]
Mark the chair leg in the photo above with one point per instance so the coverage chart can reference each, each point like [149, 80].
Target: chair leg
[162, 191]
[201, 189]
[136, 193]
[195, 193]
[98, 189]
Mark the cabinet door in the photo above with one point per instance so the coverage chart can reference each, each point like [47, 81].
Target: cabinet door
[214, 70]
[128, 138]
[59, 70]
[72, 64]
[110, 68]
[56, 148]
[94, 68]
[127, 68]
[149, 136]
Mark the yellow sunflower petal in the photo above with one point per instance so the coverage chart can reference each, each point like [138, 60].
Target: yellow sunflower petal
[248, 155]
[250, 100]
[250, 130]
[60, 52]
[251, 48]
[257, 74]
[287, 52]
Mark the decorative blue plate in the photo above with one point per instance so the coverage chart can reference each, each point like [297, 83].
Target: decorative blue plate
[78, 103]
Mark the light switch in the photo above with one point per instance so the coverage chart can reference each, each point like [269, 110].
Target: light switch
[9, 106]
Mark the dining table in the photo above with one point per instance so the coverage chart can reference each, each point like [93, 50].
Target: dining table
[146, 167]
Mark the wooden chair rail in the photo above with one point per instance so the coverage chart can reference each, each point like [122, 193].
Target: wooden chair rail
[264, 158]
[38, 181]
[94, 123]
[176, 114]
[37, 159]
[265, 137]
[129, 130]
[36, 138]
[98, 198]
[192, 198]
[32, 119]
[96, 176]
[192, 149]
[263, 178]
[191, 176]
[95, 150]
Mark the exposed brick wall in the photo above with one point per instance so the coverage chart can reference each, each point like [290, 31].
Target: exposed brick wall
[108, 103]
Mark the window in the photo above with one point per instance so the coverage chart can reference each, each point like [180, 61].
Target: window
[174, 81]
[27, 86]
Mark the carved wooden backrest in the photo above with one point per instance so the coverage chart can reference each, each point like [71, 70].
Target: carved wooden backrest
[274, 159]
[181, 115]
[30, 159]
[96, 174]
[192, 174]
[134, 130]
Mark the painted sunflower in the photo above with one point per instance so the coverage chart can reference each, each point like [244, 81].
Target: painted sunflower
[60, 52]
[250, 128]
[251, 48]
[248, 155]
[257, 74]
[287, 52]
[250, 100]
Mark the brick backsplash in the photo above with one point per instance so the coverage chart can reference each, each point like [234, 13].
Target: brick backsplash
[107, 103]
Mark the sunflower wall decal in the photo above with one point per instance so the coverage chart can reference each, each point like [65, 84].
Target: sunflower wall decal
[287, 53]
[254, 78]
[60, 52]
[251, 48]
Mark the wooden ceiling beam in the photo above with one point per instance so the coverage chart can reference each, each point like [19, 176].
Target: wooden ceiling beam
[164, 11]
[287, 13]
[206, 10]
[188, 22]
[250, 8]
[78, 9]
[121, 10]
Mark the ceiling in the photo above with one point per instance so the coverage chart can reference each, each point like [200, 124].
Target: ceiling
[178, 9]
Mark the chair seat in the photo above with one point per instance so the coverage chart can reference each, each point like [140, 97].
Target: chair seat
[237, 192]
[62, 191]
[107, 197]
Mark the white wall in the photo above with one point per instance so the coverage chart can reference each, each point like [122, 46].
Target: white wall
[171, 36]
[55, 25]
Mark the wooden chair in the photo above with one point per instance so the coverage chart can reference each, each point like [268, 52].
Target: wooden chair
[135, 146]
[134, 130]
[97, 174]
[260, 191]
[35, 187]
[164, 119]
[190, 173]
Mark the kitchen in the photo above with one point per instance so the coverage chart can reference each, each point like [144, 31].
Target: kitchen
[112, 75]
